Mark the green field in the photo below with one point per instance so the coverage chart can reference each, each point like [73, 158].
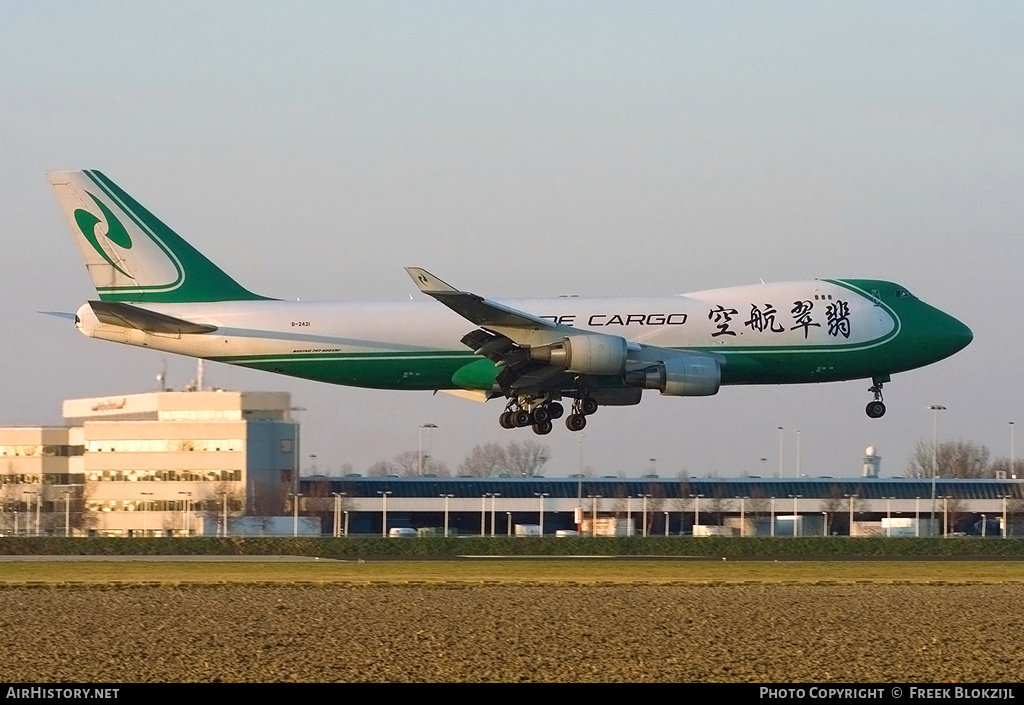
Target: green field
[558, 571]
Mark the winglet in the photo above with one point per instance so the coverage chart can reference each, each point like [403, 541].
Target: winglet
[428, 283]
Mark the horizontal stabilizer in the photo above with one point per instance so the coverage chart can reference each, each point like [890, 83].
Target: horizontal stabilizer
[127, 316]
[60, 314]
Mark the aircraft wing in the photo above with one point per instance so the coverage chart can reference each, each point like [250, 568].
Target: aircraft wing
[505, 335]
[478, 310]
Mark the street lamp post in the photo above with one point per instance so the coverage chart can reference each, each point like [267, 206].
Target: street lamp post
[419, 434]
[67, 495]
[851, 496]
[935, 409]
[796, 514]
[1013, 454]
[945, 510]
[384, 511]
[446, 498]
[337, 512]
[295, 512]
[645, 496]
[1004, 497]
[696, 512]
[781, 432]
[541, 496]
[772, 529]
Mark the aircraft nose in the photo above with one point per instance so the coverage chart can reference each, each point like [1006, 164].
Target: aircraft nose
[958, 335]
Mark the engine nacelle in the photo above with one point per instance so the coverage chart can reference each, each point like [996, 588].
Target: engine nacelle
[585, 354]
[682, 376]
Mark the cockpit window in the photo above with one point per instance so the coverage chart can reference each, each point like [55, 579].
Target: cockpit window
[903, 294]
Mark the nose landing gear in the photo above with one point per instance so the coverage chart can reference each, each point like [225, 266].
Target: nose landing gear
[876, 409]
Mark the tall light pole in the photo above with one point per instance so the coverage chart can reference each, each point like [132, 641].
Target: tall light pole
[935, 409]
[780, 451]
[579, 486]
[446, 498]
[593, 513]
[645, 496]
[798, 453]
[67, 495]
[1004, 496]
[696, 512]
[295, 513]
[427, 426]
[796, 515]
[337, 512]
[1013, 454]
[773, 518]
[384, 511]
[541, 495]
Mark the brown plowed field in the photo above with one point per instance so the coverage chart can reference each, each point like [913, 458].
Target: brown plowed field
[730, 633]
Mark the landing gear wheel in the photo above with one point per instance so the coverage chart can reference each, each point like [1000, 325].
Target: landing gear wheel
[556, 410]
[542, 428]
[541, 415]
[506, 420]
[575, 422]
[875, 409]
[521, 419]
[588, 406]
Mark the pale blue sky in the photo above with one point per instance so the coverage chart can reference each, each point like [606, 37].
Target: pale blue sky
[527, 149]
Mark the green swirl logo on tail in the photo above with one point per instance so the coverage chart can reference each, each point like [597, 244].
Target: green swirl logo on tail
[115, 231]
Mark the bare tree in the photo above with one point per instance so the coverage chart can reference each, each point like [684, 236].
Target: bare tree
[381, 468]
[1002, 465]
[485, 460]
[526, 459]
[952, 458]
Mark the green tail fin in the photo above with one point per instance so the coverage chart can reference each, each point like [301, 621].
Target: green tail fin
[130, 254]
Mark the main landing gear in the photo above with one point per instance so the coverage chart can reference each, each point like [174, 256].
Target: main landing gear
[517, 415]
[876, 409]
[520, 413]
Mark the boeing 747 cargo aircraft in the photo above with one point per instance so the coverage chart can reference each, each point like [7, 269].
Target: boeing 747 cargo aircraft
[154, 290]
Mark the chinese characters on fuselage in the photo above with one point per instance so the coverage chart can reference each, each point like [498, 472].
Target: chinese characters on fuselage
[763, 319]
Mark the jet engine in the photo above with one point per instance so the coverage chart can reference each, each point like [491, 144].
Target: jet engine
[584, 354]
[682, 376]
